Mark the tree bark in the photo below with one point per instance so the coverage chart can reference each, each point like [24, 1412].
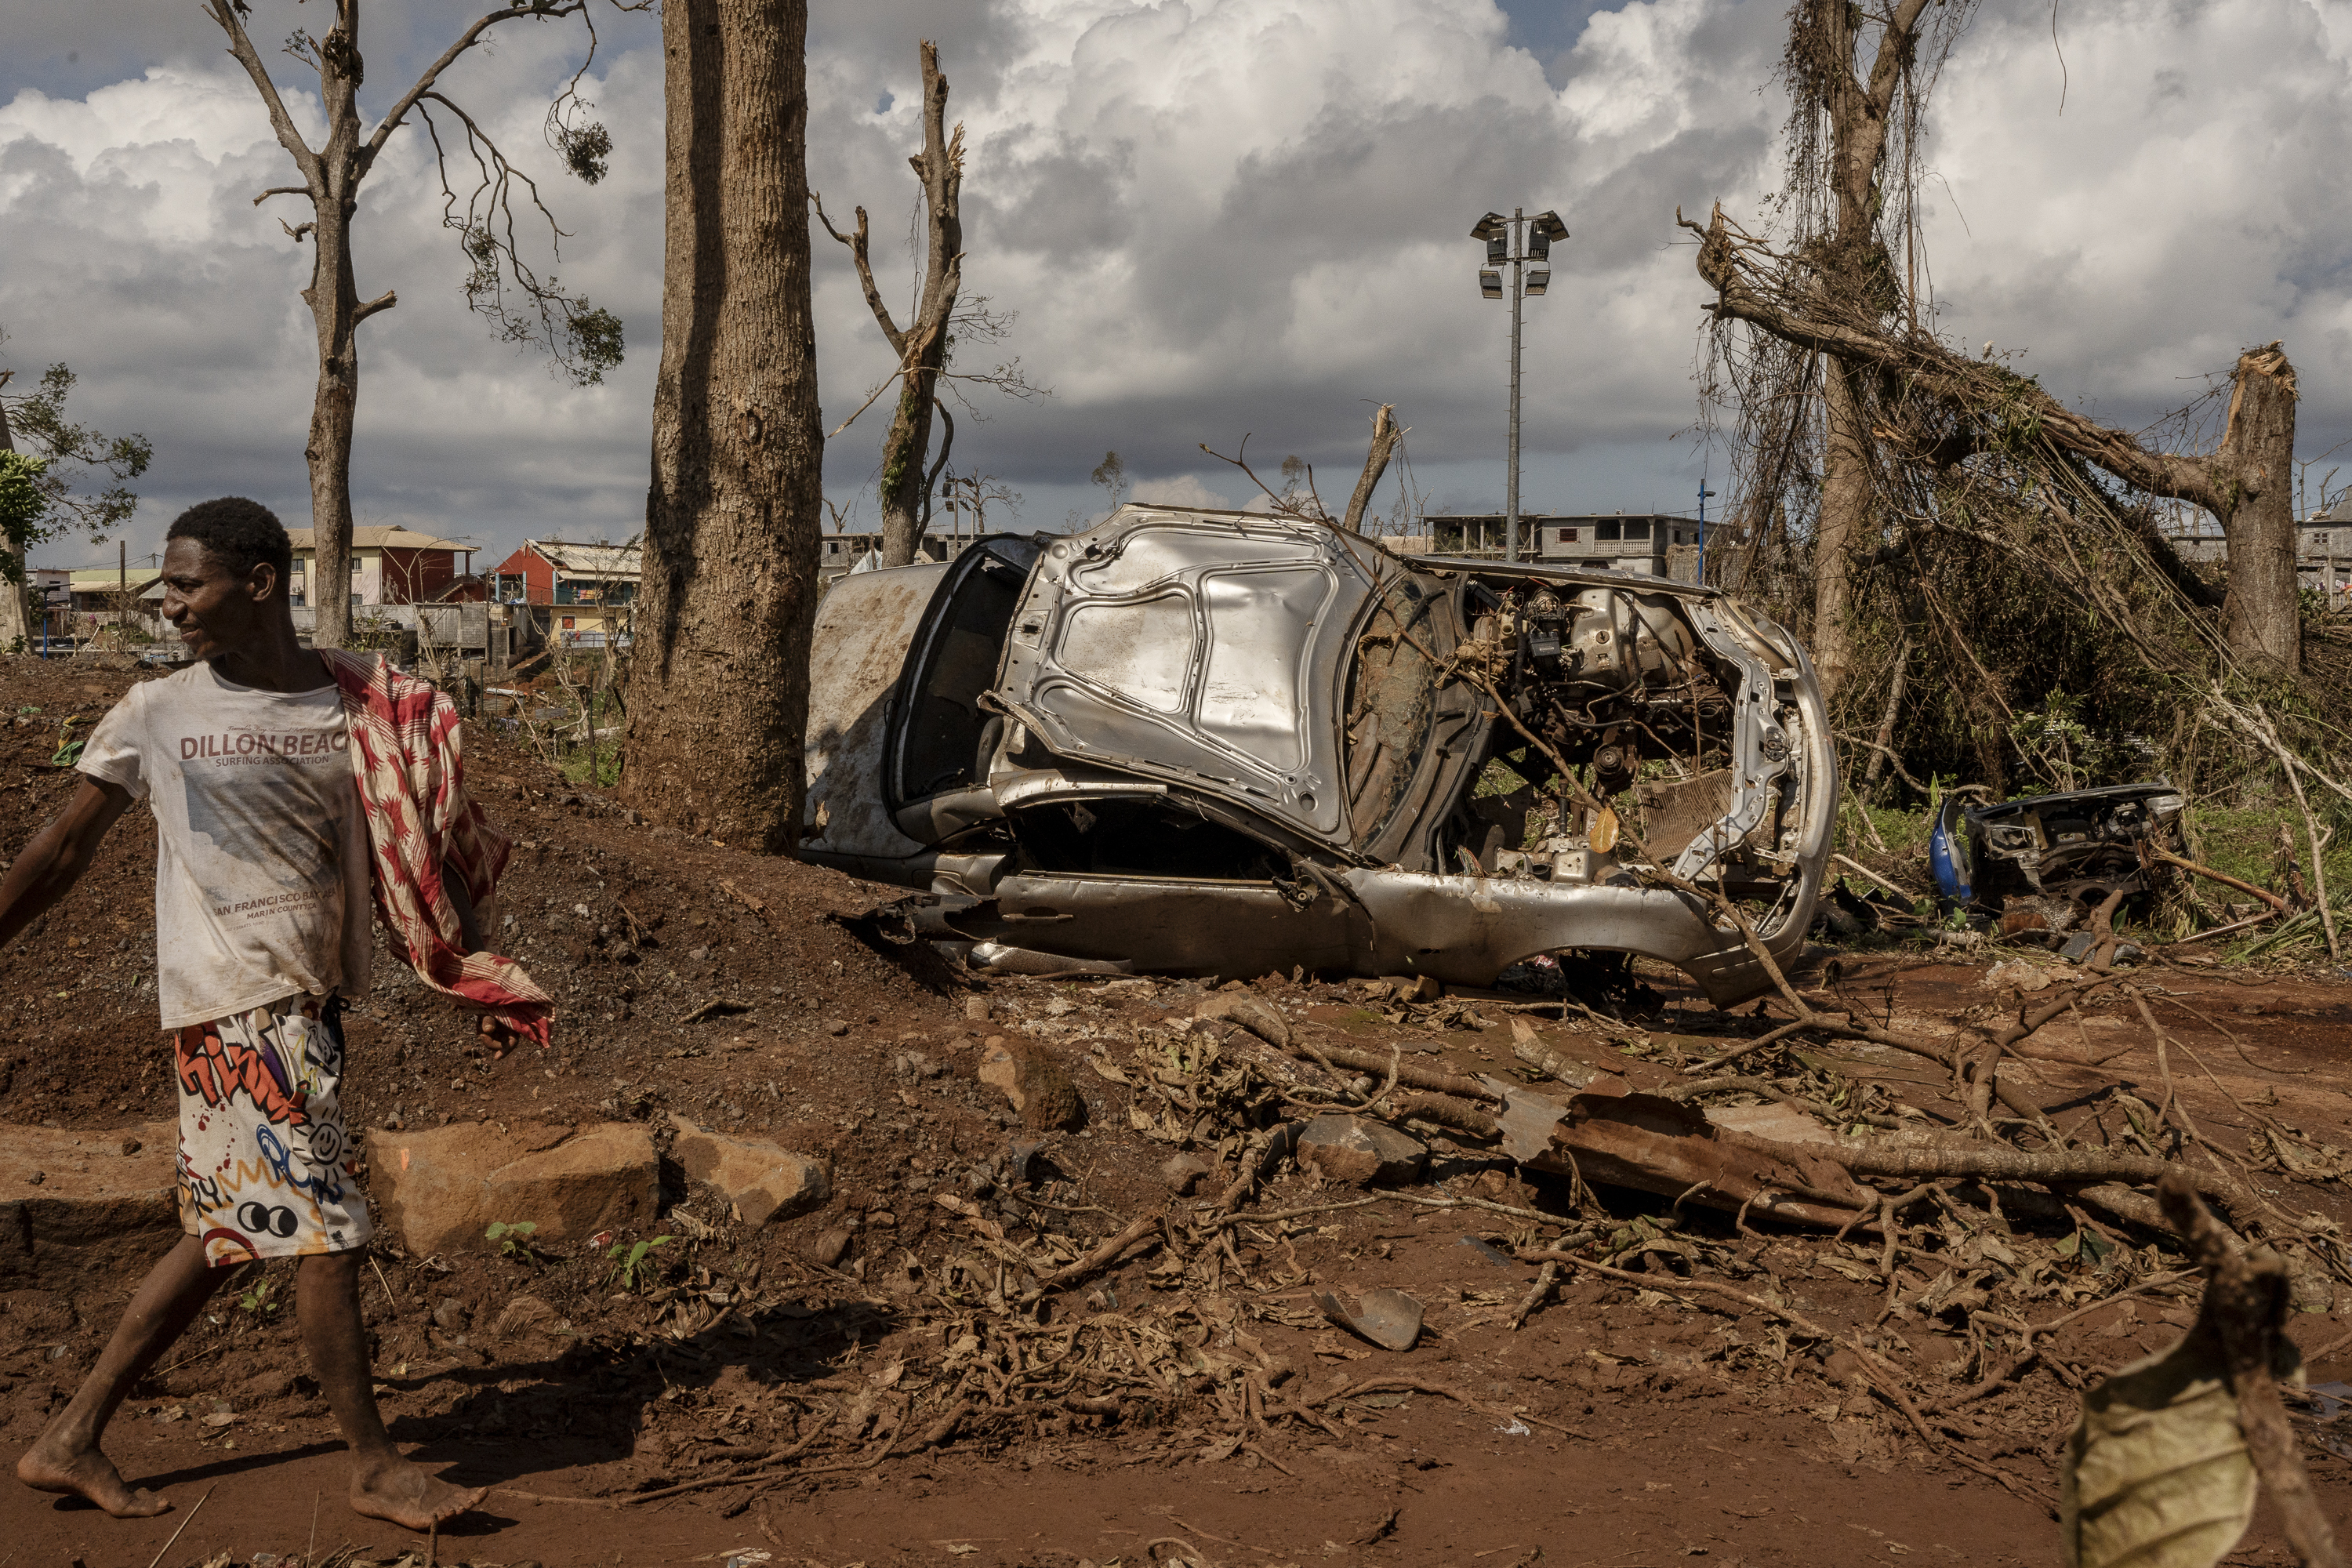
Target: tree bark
[1385, 436]
[14, 623]
[718, 693]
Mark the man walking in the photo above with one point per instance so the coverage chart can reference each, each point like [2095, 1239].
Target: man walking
[284, 786]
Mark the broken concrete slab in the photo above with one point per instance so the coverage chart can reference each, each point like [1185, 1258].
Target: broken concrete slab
[1359, 1153]
[764, 1181]
[439, 1189]
[1039, 1088]
[86, 1209]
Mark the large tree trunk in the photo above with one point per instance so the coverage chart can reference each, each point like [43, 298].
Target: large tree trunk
[1852, 269]
[719, 675]
[2262, 616]
[15, 627]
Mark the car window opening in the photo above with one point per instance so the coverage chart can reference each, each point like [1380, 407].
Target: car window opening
[1138, 839]
[943, 749]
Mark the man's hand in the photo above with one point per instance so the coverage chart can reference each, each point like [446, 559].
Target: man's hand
[501, 1039]
[58, 854]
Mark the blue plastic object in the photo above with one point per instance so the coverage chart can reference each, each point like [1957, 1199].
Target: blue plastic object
[1950, 855]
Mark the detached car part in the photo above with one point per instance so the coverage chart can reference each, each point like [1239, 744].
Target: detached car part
[1223, 742]
[2056, 854]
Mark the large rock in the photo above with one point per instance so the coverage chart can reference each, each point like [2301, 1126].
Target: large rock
[98, 1217]
[1359, 1152]
[1039, 1088]
[764, 1181]
[439, 1189]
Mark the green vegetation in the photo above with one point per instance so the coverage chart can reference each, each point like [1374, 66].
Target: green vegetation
[633, 1263]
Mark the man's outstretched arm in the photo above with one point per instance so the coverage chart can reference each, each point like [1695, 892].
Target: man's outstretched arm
[58, 854]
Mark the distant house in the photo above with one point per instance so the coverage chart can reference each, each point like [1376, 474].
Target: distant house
[557, 571]
[1638, 542]
[841, 552]
[389, 565]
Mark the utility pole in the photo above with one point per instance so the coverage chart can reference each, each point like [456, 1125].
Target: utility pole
[1530, 275]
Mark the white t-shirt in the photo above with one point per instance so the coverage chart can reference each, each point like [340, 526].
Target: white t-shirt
[261, 869]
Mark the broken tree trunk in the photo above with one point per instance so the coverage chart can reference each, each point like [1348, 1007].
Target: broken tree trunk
[1386, 434]
[2245, 482]
[922, 346]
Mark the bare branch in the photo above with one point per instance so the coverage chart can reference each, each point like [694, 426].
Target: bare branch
[281, 191]
[383, 302]
[281, 122]
[858, 255]
[544, 9]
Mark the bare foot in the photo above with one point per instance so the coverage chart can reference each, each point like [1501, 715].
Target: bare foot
[402, 1493]
[48, 1467]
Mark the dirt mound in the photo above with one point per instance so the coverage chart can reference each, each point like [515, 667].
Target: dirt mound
[1008, 1345]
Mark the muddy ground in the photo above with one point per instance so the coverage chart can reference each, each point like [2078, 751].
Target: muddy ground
[1188, 1402]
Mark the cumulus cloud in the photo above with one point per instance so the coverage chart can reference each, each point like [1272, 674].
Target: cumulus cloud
[1210, 219]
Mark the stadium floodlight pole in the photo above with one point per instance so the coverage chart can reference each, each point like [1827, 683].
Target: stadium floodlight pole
[1530, 275]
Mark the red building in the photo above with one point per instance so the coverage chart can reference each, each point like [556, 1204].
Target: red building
[557, 572]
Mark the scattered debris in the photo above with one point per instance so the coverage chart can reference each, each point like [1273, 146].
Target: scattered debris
[1390, 1318]
[1355, 1152]
[1039, 1086]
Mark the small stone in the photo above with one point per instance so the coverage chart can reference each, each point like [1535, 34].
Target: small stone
[836, 1027]
[915, 1065]
[1040, 1088]
[451, 1316]
[1180, 1170]
[132, 1145]
[830, 1247]
[37, 1177]
[583, 912]
[975, 1008]
[1351, 1150]
[698, 954]
[764, 1181]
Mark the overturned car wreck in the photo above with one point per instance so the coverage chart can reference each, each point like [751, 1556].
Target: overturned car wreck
[1217, 742]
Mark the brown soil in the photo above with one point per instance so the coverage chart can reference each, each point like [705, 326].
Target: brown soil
[1620, 1426]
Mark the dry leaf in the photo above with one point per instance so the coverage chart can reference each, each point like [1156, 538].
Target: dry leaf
[2156, 1472]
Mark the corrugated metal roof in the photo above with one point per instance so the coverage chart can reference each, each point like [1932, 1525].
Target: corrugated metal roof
[385, 538]
[589, 560]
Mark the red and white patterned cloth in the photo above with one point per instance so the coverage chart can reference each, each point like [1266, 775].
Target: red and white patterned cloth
[405, 753]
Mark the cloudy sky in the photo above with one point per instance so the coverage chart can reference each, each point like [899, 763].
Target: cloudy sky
[1211, 219]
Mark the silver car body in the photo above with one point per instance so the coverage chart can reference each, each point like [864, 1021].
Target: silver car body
[1224, 742]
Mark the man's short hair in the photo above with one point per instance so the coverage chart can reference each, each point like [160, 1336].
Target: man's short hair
[239, 533]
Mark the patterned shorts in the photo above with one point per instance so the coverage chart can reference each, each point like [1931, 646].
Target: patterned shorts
[265, 1167]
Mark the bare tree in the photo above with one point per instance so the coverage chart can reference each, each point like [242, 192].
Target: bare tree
[1299, 499]
[523, 306]
[38, 497]
[925, 345]
[1386, 434]
[719, 669]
